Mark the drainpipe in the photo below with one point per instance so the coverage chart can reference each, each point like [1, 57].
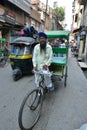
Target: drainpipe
[46, 11]
[85, 51]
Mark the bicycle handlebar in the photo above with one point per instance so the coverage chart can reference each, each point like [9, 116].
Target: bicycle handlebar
[43, 72]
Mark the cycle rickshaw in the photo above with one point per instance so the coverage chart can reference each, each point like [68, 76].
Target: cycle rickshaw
[31, 106]
[60, 54]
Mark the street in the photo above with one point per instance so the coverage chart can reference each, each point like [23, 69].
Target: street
[21, 22]
[11, 96]
[63, 109]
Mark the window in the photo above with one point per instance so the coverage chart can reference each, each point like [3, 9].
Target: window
[76, 17]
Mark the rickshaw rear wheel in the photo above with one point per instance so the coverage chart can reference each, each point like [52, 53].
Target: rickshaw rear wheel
[17, 74]
[16, 77]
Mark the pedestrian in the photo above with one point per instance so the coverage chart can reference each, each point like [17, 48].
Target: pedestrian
[57, 43]
[42, 58]
[62, 45]
[6, 49]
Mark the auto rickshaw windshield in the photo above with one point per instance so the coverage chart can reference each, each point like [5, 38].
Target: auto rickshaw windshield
[20, 49]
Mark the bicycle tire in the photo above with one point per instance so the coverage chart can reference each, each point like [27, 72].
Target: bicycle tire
[3, 63]
[30, 119]
[7, 61]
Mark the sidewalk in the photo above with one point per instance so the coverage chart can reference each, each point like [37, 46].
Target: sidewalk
[69, 110]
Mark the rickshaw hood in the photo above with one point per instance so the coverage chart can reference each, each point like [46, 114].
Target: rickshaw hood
[24, 40]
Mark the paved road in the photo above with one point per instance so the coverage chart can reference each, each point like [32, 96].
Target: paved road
[63, 109]
[11, 96]
[69, 111]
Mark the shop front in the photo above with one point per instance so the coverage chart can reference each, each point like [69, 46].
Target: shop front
[8, 23]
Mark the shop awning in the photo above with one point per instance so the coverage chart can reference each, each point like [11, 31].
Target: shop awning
[11, 26]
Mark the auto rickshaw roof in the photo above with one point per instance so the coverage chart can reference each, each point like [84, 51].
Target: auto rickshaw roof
[58, 34]
[23, 40]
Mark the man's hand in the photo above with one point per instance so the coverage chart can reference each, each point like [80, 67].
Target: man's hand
[34, 69]
[45, 67]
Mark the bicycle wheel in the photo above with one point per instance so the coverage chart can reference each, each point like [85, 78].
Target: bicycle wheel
[2, 62]
[7, 61]
[29, 112]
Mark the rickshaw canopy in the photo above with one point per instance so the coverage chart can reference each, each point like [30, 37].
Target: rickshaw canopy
[23, 40]
[58, 34]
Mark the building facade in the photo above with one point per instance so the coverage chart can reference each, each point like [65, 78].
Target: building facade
[79, 27]
[15, 15]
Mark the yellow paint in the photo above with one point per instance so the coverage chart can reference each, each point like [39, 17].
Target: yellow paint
[28, 56]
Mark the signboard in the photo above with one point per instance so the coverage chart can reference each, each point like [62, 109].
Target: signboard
[9, 17]
[2, 15]
[6, 16]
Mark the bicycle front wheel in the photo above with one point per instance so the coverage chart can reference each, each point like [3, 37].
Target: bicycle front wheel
[30, 110]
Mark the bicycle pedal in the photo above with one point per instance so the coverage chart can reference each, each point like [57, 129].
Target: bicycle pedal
[46, 90]
[32, 107]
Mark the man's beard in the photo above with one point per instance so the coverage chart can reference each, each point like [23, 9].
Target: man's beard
[42, 47]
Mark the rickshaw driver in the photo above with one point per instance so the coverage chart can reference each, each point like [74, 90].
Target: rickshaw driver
[42, 58]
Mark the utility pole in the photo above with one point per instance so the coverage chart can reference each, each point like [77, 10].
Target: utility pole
[46, 11]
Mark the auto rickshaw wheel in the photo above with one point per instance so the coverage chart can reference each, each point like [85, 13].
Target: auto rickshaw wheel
[16, 77]
[17, 74]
